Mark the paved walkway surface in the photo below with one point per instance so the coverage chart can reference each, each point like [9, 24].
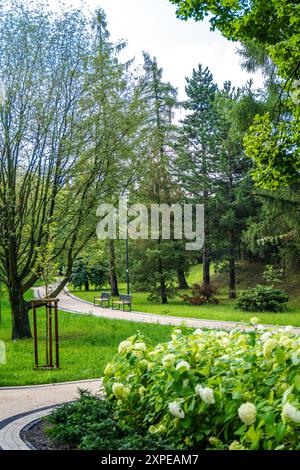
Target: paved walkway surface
[70, 303]
[18, 403]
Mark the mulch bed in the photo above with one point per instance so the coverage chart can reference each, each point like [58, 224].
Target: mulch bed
[37, 437]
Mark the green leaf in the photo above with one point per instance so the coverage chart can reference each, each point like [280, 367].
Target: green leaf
[252, 436]
[280, 432]
[297, 382]
[280, 356]
[186, 422]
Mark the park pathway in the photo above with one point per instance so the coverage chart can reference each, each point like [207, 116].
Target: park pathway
[21, 405]
[68, 302]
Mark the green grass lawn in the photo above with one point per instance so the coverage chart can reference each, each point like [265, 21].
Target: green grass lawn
[225, 310]
[87, 344]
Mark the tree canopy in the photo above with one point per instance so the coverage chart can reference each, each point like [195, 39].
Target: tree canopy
[274, 23]
[273, 28]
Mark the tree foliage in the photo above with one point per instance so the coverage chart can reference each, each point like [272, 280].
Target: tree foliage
[68, 118]
[271, 27]
[273, 23]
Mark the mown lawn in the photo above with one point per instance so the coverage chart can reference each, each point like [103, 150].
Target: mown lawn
[225, 310]
[87, 344]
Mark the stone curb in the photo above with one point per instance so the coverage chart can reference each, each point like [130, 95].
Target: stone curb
[10, 438]
[54, 384]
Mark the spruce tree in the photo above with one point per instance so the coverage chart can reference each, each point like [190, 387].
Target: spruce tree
[196, 149]
[154, 267]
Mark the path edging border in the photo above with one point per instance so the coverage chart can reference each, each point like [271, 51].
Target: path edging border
[54, 384]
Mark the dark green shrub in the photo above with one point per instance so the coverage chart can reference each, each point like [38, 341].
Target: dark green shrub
[89, 424]
[263, 299]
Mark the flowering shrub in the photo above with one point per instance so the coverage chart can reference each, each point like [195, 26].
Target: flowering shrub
[211, 389]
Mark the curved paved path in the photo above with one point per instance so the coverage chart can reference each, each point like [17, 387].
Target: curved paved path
[70, 303]
[20, 405]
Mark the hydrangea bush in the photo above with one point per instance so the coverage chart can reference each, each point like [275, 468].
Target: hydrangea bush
[211, 389]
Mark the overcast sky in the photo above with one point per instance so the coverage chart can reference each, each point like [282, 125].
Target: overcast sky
[152, 26]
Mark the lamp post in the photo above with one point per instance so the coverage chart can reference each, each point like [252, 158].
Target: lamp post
[127, 247]
[127, 263]
[123, 207]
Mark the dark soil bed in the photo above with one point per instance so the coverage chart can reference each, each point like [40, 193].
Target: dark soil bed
[37, 437]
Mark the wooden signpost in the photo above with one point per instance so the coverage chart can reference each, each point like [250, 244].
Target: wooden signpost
[52, 341]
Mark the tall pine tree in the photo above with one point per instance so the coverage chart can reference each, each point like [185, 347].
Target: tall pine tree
[196, 149]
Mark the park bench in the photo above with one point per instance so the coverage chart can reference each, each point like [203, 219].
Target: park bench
[124, 299]
[104, 298]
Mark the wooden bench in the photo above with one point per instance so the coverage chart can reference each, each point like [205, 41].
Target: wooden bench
[124, 299]
[104, 298]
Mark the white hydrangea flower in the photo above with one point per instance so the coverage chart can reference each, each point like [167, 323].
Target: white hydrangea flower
[266, 336]
[140, 347]
[296, 357]
[125, 347]
[183, 366]
[225, 342]
[176, 410]
[285, 340]
[221, 334]
[247, 413]
[291, 413]
[198, 331]
[268, 347]
[175, 333]
[288, 328]
[119, 390]
[236, 445]
[206, 394]
[137, 353]
[168, 360]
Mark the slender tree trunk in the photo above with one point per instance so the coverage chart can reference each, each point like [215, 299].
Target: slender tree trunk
[182, 282]
[232, 283]
[232, 287]
[19, 307]
[163, 289]
[231, 234]
[20, 316]
[86, 286]
[206, 251]
[112, 269]
[206, 267]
